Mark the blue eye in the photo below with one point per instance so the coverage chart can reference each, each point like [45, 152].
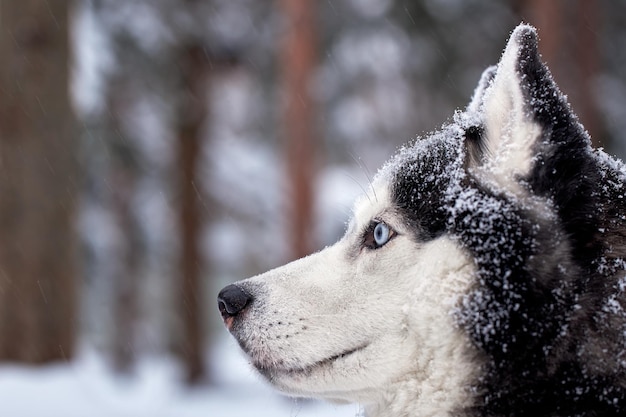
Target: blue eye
[377, 235]
[381, 234]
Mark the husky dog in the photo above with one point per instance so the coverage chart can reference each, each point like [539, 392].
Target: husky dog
[483, 275]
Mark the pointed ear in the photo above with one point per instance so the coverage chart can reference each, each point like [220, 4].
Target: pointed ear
[475, 145]
[520, 108]
[510, 130]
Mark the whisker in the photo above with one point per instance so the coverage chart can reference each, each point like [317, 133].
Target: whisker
[360, 186]
[367, 173]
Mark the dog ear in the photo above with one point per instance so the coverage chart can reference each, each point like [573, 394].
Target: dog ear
[474, 133]
[519, 107]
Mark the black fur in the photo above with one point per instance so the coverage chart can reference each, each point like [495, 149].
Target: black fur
[420, 185]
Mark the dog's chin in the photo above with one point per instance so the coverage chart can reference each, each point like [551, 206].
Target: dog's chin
[293, 379]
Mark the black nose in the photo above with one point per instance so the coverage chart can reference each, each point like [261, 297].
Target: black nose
[232, 300]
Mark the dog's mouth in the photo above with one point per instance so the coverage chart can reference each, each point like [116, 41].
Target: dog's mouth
[279, 369]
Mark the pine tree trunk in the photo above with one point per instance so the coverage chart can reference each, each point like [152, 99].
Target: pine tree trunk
[569, 45]
[193, 64]
[38, 182]
[298, 61]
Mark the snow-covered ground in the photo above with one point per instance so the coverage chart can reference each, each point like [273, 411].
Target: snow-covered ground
[86, 387]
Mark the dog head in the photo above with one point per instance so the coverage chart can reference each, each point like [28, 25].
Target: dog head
[427, 285]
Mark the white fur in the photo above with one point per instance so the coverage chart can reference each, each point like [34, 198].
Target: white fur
[394, 304]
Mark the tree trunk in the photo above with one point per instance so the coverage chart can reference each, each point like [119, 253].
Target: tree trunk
[193, 110]
[587, 59]
[38, 183]
[298, 61]
[569, 47]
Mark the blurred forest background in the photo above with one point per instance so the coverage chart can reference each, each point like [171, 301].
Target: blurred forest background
[152, 151]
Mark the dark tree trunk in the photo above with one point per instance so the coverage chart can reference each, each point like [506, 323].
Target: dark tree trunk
[569, 45]
[193, 111]
[298, 62]
[38, 183]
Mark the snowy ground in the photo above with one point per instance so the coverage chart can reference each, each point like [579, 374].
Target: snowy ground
[87, 388]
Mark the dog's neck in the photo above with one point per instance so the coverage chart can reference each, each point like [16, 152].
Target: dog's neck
[438, 389]
[408, 401]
